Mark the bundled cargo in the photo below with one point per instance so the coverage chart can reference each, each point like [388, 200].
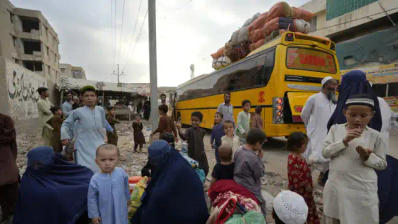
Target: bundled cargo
[261, 28]
[221, 62]
[218, 54]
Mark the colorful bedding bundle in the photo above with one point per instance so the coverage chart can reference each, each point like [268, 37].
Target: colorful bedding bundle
[259, 29]
[229, 198]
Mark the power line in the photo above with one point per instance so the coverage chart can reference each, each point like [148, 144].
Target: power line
[121, 33]
[114, 31]
[112, 35]
[133, 31]
[136, 40]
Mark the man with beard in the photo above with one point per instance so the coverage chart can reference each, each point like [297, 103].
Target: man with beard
[67, 106]
[226, 108]
[316, 113]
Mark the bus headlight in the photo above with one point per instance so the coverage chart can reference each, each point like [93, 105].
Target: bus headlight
[277, 111]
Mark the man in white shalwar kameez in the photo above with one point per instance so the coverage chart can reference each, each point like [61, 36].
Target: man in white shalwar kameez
[356, 151]
[316, 113]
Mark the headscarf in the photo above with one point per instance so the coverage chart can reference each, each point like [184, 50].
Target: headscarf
[52, 190]
[354, 83]
[175, 193]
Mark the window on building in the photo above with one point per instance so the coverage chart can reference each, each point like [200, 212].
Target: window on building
[14, 40]
[29, 24]
[11, 17]
[393, 89]
[34, 66]
[31, 45]
[63, 70]
[48, 51]
[336, 8]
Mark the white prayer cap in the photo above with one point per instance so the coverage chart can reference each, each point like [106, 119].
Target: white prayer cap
[290, 207]
[326, 79]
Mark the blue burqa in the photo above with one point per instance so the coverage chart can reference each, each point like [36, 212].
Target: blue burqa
[353, 83]
[175, 193]
[52, 190]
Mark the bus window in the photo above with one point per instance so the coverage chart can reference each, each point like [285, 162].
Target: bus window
[251, 73]
[380, 89]
[393, 89]
[310, 59]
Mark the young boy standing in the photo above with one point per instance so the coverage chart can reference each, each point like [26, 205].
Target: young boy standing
[108, 193]
[216, 133]
[249, 167]
[88, 123]
[243, 122]
[110, 117]
[194, 135]
[356, 151]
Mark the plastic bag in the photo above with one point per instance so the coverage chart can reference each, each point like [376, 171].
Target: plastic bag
[243, 34]
[136, 195]
[221, 62]
[219, 53]
[250, 20]
[251, 217]
[301, 25]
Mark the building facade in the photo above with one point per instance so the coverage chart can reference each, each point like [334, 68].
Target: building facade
[29, 40]
[76, 72]
[343, 20]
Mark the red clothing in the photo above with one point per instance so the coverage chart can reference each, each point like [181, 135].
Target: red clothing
[300, 179]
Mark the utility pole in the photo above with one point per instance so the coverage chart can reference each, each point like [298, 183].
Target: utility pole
[118, 74]
[153, 62]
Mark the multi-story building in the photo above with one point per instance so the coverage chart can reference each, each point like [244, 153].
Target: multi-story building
[28, 39]
[343, 20]
[76, 72]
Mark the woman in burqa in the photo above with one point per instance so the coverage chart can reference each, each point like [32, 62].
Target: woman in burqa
[174, 194]
[353, 83]
[52, 190]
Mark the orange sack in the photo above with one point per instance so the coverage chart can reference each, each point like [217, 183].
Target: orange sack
[257, 44]
[302, 14]
[256, 35]
[280, 9]
[259, 22]
[218, 54]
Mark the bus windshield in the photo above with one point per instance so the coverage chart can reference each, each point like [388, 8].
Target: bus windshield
[310, 59]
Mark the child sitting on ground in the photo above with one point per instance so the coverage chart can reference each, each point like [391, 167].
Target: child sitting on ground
[56, 122]
[356, 151]
[108, 193]
[289, 207]
[194, 135]
[217, 133]
[229, 137]
[225, 168]
[299, 174]
[249, 167]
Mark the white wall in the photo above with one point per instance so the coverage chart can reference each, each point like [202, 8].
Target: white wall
[21, 85]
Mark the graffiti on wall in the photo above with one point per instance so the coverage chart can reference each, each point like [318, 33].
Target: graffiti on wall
[22, 87]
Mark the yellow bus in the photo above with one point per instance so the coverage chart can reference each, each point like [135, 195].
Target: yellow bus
[279, 76]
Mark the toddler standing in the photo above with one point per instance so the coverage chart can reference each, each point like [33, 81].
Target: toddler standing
[225, 168]
[108, 193]
[139, 139]
[299, 174]
[229, 137]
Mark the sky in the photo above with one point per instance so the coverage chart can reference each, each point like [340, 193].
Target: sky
[94, 36]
